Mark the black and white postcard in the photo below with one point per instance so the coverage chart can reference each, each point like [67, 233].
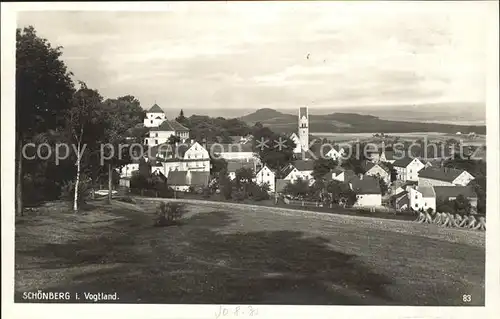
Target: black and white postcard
[256, 159]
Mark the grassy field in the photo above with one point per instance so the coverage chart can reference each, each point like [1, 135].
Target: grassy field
[227, 253]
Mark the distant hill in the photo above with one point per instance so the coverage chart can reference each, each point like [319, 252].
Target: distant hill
[351, 123]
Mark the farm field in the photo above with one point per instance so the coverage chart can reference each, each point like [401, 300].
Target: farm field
[339, 137]
[237, 254]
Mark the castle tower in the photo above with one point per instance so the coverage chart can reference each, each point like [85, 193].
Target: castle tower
[304, 128]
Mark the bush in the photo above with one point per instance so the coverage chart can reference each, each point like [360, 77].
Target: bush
[206, 192]
[165, 192]
[169, 214]
[239, 196]
[68, 191]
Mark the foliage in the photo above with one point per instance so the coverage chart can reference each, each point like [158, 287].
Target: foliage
[298, 189]
[239, 195]
[244, 177]
[384, 188]
[68, 190]
[169, 213]
[274, 157]
[341, 193]
[218, 165]
[259, 192]
[461, 205]
[44, 90]
[206, 192]
[226, 186]
[323, 166]
[211, 129]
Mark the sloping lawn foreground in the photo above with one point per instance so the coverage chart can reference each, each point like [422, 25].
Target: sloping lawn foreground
[225, 253]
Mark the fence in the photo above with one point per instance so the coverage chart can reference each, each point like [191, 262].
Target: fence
[302, 203]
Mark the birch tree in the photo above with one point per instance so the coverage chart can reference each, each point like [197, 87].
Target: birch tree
[83, 120]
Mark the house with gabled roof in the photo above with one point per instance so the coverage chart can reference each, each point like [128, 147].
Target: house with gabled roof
[160, 134]
[367, 189]
[407, 168]
[452, 192]
[183, 180]
[154, 116]
[422, 198]
[190, 156]
[236, 151]
[377, 169]
[443, 176]
[234, 165]
[298, 169]
[266, 175]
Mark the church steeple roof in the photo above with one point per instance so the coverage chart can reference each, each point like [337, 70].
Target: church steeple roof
[303, 112]
[155, 109]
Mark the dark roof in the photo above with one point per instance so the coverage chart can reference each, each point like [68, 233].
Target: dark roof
[445, 192]
[199, 178]
[348, 175]
[178, 178]
[170, 126]
[155, 109]
[287, 170]
[233, 166]
[426, 191]
[367, 165]
[280, 185]
[403, 162]
[178, 126]
[302, 165]
[440, 173]
[172, 151]
[365, 185]
[229, 148]
[303, 112]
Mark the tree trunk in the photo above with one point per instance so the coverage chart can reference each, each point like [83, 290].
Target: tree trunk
[75, 202]
[110, 183]
[19, 175]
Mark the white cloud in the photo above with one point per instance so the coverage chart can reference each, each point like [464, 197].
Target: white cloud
[245, 55]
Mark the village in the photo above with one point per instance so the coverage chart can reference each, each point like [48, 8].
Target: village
[382, 180]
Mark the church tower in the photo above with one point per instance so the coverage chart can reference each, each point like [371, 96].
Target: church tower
[304, 128]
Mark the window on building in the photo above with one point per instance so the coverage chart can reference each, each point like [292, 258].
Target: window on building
[425, 204]
[146, 141]
[151, 121]
[268, 174]
[416, 205]
[156, 134]
[156, 141]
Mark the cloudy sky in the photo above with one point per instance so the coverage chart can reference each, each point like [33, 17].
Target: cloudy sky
[249, 55]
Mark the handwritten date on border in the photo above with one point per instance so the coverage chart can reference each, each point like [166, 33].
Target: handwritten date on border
[236, 311]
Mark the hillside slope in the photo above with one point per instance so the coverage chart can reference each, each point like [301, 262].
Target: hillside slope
[351, 123]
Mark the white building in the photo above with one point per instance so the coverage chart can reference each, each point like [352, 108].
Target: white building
[161, 134]
[378, 169]
[304, 128]
[232, 152]
[422, 197]
[154, 116]
[407, 169]
[443, 176]
[299, 169]
[301, 139]
[266, 175]
[367, 189]
[190, 156]
[128, 169]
